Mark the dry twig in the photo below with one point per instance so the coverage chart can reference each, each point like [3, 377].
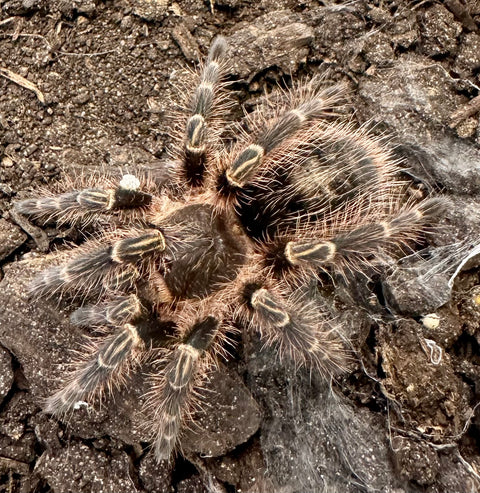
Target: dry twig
[21, 81]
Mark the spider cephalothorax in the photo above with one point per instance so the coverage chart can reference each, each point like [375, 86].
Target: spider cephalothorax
[230, 236]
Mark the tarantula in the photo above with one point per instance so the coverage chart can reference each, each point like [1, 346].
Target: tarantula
[231, 237]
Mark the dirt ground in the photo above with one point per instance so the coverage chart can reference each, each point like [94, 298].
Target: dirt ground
[87, 85]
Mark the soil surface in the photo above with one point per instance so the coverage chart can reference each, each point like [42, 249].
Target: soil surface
[87, 87]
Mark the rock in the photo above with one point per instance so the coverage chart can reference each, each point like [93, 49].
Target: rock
[275, 39]
[16, 413]
[410, 95]
[186, 42]
[155, 478]
[311, 437]
[339, 32]
[228, 406]
[71, 8]
[193, 484]
[17, 442]
[378, 50]
[414, 291]
[6, 373]
[450, 162]
[416, 461]
[418, 111]
[21, 7]
[245, 469]
[82, 469]
[454, 475]
[468, 57]
[11, 238]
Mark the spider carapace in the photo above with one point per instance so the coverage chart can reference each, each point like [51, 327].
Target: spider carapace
[226, 242]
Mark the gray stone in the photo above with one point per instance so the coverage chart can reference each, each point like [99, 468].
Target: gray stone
[276, 39]
[412, 292]
[228, 405]
[80, 468]
[415, 102]
[11, 238]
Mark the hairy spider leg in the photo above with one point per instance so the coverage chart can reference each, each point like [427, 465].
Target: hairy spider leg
[196, 141]
[106, 361]
[79, 203]
[120, 310]
[297, 329]
[109, 266]
[173, 390]
[249, 162]
[352, 249]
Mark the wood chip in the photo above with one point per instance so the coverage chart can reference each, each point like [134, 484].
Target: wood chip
[21, 81]
[469, 109]
[186, 42]
[39, 236]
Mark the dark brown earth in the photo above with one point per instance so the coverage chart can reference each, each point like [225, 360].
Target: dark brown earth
[102, 75]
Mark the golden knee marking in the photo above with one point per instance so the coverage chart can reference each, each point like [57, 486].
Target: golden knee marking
[101, 363]
[195, 128]
[296, 253]
[143, 245]
[234, 176]
[387, 231]
[133, 333]
[205, 85]
[261, 299]
[111, 199]
[188, 355]
[301, 117]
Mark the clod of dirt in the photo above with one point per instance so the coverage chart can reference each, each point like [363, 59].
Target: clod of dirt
[416, 461]
[339, 32]
[17, 441]
[439, 31]
[468, 57]
[150, 10]
[155, 478]
[245, 469]
[194, 484]
[433, 400]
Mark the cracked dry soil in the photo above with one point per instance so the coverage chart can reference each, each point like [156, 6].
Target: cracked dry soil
[406, 416]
